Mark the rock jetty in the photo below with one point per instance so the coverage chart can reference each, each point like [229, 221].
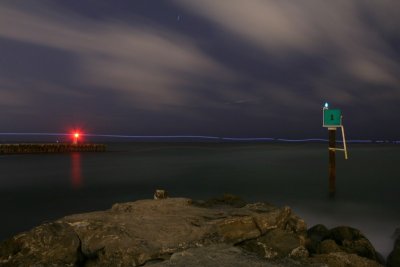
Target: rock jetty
[181, 232]
[50, 148]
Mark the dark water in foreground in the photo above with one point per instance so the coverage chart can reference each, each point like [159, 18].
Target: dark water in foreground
[38, 188]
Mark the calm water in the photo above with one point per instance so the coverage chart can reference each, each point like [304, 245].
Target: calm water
[38, 188]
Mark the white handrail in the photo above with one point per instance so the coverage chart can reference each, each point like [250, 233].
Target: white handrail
[344, 143]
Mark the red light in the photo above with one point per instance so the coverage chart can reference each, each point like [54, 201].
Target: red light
[75, 135]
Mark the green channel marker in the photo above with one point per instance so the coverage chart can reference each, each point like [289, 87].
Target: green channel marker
[332, 118]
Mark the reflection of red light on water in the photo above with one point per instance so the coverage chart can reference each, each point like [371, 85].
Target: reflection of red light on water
[76, 171]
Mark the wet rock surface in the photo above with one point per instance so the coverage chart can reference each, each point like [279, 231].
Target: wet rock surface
[182, 232]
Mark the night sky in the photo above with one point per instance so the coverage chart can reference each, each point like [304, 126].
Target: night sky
[240, 68]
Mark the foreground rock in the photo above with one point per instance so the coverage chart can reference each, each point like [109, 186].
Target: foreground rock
[49, 244]
[340, 239]
[221, 255]
[173, 232]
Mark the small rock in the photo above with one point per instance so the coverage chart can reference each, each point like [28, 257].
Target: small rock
[160, 194]
[299, 253]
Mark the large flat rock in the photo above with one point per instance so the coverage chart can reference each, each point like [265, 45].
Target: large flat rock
[166, 232]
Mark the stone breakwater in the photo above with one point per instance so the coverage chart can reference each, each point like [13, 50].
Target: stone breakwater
[183, 232]
[50, 148]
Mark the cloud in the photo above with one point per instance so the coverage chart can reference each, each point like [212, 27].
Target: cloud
[149, 66]
[271, 25]
[11, 98]
[372, 72]
[250, 60]
[346, 34]
[153, 66]
[10, 95]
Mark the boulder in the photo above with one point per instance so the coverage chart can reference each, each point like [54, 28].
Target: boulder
[315, 235]
[55, 244]
[352, 240]
[320, 240]
[178, 232]
[131, 234]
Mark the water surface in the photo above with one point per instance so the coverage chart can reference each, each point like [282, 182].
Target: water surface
[41, 187]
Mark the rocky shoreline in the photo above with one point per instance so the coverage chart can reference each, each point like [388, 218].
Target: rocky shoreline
[182, 232]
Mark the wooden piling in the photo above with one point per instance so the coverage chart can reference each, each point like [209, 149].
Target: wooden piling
[332, 161]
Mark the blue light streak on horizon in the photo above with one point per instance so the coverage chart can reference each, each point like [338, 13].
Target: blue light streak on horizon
[200, 137]
[301, 140]
[247, 138]
[37, 134]
[153, 136]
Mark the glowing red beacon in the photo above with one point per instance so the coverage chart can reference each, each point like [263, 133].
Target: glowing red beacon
[76, 137]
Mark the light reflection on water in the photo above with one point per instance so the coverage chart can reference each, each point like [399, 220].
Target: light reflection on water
[76, 170]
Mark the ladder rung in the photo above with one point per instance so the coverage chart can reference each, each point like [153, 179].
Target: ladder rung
[331, 148]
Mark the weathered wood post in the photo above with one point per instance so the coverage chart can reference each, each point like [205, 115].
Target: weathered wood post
[332, 119]
[332, 161]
